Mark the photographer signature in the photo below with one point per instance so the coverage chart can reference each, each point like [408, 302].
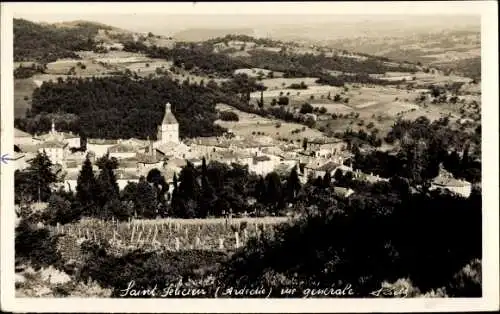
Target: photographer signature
[390, 292]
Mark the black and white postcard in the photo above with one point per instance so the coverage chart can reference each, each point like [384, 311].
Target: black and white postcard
[249, 157]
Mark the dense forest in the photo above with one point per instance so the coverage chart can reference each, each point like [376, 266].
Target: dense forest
[123, 107]
[47, 43]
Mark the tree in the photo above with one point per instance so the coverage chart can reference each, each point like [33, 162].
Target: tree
[304, 143]
[145, 201]
[36, 181]
[283, 101]
[306, 108]
[260, 190]
[208, 198]
[108, 186]
[293, 184]
[156, 178]
[86, 188]
[327, 179]
[187, 193]
[59, 210]
[273, 190]
[261, 103]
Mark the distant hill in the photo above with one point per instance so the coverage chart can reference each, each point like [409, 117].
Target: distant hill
[202, 34]
[47, 43]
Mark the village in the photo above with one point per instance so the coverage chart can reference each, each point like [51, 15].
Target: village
[261, 154]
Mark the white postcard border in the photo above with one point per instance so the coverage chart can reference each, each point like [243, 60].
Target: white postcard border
[489, 46]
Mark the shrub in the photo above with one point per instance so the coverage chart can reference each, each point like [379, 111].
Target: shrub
[283, 101]
[228, 116]
[306, 108]
[35, 246]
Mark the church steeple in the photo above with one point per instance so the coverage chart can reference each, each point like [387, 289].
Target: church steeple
[169, 117]
[168, 131]
[53, 127]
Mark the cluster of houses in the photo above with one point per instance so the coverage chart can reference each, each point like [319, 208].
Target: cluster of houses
[169, 154]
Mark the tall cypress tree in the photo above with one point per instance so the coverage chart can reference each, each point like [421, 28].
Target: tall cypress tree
[260, 190]
[160, 185]
[188, 191]
[273, 190]
[145, 200]
[207, 199]
[293, 184]
[108, 186]
[327, 179]
[86, 187]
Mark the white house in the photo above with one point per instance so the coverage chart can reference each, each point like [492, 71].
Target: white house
[55, 150]
[100, 147]
[122, 151]
[446, 181]
[326, 147]
[263, 164]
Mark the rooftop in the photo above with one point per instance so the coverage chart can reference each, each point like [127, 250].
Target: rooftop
[122, 148]
[329, 166]
[127, 163]
[210, 141]
[28, 148]
[176, 162]
[149, 159]
[52, 144]
[99, 141]
[260, 158]
[170, 148]
[19, 133]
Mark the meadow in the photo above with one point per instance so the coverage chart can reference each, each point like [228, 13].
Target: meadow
[23, 89]
[248, 124]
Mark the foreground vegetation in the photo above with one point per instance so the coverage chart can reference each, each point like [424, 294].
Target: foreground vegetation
[374, 237]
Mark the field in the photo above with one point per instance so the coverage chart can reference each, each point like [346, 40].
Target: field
[254, 72]
[250, 123]
[280, 83]
[332, 107]
[23, 89]
[91, 67]
[298, 95]
[169, 234]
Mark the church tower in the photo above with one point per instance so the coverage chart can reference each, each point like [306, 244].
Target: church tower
[168, 131]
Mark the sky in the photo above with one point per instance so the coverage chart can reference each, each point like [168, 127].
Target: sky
[168, 24]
